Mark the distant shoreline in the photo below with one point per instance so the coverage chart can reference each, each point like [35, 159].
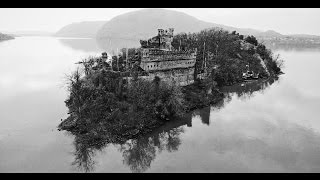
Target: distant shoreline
[4, 37]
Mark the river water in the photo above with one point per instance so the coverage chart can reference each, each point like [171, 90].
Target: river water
[270, 126]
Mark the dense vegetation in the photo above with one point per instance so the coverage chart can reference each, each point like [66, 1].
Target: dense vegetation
[231, 52]
[102, 104]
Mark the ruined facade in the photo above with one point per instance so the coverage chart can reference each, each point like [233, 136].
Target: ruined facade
[162, 41]
[158, 58]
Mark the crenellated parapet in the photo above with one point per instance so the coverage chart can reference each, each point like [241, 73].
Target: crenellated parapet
[159, 55]
[162, 41]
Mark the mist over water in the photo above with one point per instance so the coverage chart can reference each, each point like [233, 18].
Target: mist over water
[271, 126]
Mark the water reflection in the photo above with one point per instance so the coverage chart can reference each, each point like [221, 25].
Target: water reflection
[246, 90]
[110, 45]
[138, 154]
[282, 147]
[84, 154]
[113, 45]
[205, 115]
[85, 45]
[277, 131]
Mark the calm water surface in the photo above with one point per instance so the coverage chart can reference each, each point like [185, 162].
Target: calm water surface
[271, 126]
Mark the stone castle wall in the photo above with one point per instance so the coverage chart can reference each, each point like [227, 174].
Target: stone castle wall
[150, 66]
[180, 77]
[169, 65]
[153, 60]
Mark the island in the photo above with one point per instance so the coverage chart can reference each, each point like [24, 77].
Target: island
[114, 99]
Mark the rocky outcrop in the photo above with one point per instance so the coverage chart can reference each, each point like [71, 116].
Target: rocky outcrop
[262, 62]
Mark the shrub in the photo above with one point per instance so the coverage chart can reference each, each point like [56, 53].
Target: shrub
[96, 103]
[156, 97]
[251, 40]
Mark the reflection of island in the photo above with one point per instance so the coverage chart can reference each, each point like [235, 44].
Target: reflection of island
[247, 89]
[86, 45]
[84, 153]
[205, 115]
[139, 153]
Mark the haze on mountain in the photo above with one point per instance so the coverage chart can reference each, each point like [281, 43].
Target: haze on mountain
[85, 29]
[144, 24]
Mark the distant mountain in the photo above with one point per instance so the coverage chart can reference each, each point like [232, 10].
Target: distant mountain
[5, 37]
[144, 23]
[269, 33]
[86, 29]
[127, 29]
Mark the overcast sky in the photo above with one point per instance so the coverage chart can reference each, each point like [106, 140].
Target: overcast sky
[285, 21]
